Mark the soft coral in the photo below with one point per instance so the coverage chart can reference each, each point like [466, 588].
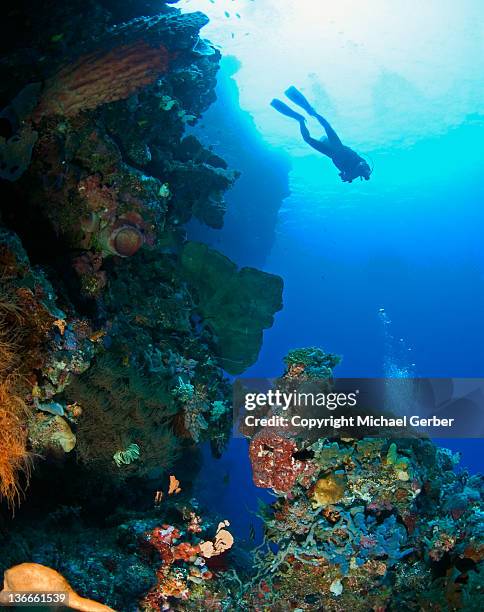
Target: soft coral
[14, 457]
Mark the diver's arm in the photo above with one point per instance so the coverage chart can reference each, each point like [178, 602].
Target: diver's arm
[321, 146]
[331, 134]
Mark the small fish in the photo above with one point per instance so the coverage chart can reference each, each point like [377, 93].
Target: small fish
[56, 38]
[226, 479]
[251, 533]
[227, 14]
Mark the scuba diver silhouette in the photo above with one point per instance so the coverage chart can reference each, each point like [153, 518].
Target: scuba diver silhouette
[348, 162]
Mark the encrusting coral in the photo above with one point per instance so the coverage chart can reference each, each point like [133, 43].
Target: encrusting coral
[274, 464]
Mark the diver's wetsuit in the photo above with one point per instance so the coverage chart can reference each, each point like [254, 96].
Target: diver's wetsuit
[349, 163]
[345, 159]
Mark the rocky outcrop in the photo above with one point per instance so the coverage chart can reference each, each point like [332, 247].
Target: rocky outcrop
[123, 374]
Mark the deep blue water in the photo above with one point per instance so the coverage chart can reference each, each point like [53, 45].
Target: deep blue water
[409, 241]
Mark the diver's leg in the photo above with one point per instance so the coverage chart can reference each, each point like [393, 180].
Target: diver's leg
[331, 134]
[297, 97]
[323, 146]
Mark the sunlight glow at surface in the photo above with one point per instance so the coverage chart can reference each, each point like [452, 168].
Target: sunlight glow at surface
[386, 70]
[401, 81]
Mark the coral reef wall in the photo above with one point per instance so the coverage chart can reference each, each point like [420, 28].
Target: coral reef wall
[363, 524]
[124, 329]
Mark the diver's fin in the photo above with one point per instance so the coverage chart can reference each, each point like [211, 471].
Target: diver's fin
[286, 110]
[296, 96]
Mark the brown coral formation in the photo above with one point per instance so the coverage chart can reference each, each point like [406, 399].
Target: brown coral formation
[100, 78]
[329, 490]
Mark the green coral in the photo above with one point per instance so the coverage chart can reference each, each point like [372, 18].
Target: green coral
[313, 357]
[164, 191]
[236, 304]
[183, 391]
[400, 464]
[219, 408]
[331, 454]
[392, 454]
